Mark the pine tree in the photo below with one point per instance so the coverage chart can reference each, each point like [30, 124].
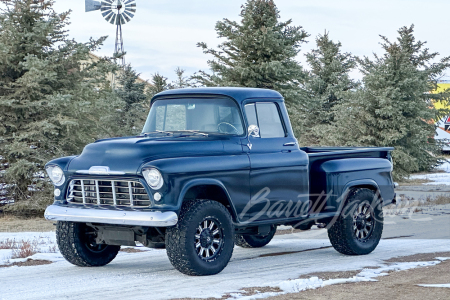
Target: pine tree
[394, 107]
[52, 98]
[258, 52]
[159, 84]
[181, 81]
[135, 107]
[327, 84]
[130, 90]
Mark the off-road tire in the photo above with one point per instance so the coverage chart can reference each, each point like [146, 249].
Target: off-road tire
[342, 233]
[255, 241]
[74, 245]
[181, 243]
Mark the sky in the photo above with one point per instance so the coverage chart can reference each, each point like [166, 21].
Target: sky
[164, 34]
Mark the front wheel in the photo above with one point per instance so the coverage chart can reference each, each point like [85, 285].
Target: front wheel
[76, 242]
[202, 241]
[255, 241]
[358, 229]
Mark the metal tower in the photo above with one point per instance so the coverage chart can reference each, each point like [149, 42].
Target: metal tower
[116, 12]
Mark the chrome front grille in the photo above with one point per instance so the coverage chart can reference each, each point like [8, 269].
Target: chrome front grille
[107, 192]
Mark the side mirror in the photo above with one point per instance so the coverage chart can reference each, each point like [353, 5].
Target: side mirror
[253, 131]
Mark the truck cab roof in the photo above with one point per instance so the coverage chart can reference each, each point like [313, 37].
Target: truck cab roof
[237, 93]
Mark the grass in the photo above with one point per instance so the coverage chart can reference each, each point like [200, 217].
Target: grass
[413, 182]
[25, 250]
[15, 224]
[405, 204]
[8, 244]
[441, 200]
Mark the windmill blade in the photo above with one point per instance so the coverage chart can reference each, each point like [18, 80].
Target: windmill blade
[91, 5]
[126, 17]
[115, 14]
[113, 19]
[128, 14]
[107, 15]
[122, 19]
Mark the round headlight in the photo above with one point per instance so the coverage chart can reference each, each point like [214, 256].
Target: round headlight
[153, 178]
[56, 175]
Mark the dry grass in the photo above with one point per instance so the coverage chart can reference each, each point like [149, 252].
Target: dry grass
[8, 244]
[22, 249]
[131, 250]
[246, 292]
[406, 201]
[27, 263]
[25, 250]
[413, 182]
[15, 224]
[441, 200]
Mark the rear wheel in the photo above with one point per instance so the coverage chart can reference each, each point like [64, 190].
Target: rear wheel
[358, 229]
[255, 241]
[76, 242]
[202, 241]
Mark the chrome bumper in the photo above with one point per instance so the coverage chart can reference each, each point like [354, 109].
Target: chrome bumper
[116, 217]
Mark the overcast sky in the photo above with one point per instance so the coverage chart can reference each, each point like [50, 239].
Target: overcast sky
[164, 33]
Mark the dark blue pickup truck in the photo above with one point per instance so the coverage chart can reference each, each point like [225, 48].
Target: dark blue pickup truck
[214, 167]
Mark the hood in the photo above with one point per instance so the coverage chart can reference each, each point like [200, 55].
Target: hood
[128, 154]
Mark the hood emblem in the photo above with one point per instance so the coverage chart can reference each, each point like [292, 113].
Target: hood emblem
[100, 170]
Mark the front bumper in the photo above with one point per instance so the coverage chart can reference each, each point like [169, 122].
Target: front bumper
[116, 217]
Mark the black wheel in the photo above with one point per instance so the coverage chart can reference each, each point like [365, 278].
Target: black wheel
[255, 241]
[358, 229]
[202, 241]
[76, 242]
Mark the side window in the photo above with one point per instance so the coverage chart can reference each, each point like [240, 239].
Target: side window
[250, 112]
[269, 120]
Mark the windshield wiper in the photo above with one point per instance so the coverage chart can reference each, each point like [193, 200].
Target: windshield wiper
[193, 132]
[145, 134]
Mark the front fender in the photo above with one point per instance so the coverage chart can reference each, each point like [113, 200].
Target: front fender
[230, 173]
[62, 162]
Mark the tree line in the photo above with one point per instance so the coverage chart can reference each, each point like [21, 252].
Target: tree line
[54, 99]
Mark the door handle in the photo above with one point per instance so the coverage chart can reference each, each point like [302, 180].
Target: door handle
[289, 144]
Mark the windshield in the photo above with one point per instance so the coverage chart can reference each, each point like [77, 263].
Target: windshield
[211, 116]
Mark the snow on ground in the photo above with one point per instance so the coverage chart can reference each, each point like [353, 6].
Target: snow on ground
[435, 285]
[149, 274]
[298, 285]
[437, 178]
[43, 243]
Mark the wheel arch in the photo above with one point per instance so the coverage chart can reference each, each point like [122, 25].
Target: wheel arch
[210, 189]
[359, 184]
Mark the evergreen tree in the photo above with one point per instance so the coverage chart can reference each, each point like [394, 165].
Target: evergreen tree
[135, 107]
[181, 81]
[258, 52]
[394, 107]
[52, 99]
[130, 90]
[159, 84]
[327, 83]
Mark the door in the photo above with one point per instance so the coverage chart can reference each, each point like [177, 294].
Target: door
[278, 168]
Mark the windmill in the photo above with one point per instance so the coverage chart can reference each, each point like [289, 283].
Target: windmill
[116, 12]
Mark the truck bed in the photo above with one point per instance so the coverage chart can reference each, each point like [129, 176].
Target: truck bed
[322, 154]
[349, 163]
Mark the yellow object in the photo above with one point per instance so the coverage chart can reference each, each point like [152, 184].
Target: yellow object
[442, 86]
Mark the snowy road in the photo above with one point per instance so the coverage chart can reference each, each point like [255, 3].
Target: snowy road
[149, 275]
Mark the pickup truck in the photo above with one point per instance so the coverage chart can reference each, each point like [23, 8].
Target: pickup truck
[214, 167]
